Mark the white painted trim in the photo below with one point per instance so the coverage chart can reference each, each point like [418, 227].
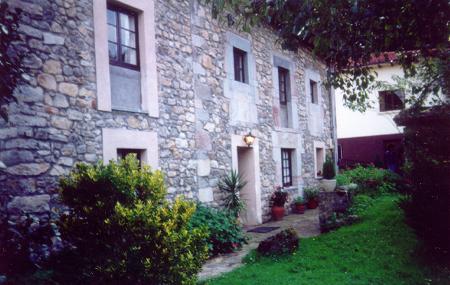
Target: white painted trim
[147, 54]
[238, 141]
[114, 139]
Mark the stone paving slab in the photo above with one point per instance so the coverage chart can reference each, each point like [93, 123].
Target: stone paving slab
[306, 225]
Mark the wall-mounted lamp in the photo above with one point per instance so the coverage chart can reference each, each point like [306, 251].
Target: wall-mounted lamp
[249, 139]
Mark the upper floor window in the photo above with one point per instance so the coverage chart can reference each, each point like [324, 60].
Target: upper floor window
[122, 37]
[390, 100]
[286, 167]
[314, 92]
[283, 85]
[240, 65]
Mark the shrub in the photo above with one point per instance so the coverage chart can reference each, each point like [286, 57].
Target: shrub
[285, 242]
[122, 230]
[427, 151]
[342, 180]
[232, 185]
[224, 232]
[371, 180]
[328, 170]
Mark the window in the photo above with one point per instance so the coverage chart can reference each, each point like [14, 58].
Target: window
[390, 100]
[123, 152]
[286, 167]
[313, 91]
[340, 152]
[122, 38]
[240, 65]
[283, 85]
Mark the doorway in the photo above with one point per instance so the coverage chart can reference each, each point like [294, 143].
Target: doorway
[246, 160]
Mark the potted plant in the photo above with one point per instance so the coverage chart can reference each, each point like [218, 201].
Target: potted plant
[299, 205]
[311, 195]
[278, 200]
[328, 182]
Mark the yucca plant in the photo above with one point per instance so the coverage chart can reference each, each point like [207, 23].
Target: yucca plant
[232, 184]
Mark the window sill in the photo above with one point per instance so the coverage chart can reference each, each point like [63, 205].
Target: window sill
[290, 188]
[129, 110]
[390, 112]
[286, 130]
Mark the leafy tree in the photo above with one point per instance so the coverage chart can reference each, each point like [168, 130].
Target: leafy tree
[10, 69]
[346, 34]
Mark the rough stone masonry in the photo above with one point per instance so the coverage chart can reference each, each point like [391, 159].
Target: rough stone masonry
[56, 122]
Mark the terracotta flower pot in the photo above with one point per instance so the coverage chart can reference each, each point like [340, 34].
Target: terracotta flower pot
[277, 213]
[312, 204]
[300, 208]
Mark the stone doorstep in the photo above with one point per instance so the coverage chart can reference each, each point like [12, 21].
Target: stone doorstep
[306, 225]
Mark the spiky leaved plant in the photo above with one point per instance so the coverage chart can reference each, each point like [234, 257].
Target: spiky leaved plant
[232, 184]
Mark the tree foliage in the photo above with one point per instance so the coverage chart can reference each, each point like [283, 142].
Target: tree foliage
[346, 34]
[10, 69]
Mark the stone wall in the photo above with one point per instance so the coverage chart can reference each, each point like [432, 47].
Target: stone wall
[332, 202]
[56, 123]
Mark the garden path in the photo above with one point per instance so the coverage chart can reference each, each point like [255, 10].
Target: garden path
[306, 225]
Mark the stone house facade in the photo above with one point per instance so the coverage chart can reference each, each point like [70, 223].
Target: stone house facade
[160, 78]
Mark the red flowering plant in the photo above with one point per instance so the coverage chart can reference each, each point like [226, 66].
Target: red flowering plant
[279, 197]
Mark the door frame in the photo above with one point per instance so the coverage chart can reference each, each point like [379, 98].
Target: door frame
[238, 141]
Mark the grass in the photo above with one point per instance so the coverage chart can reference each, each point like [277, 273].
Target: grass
[378, 250]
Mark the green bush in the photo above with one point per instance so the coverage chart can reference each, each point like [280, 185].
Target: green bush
[342, 179]
[122, 230]
[328, 169]
[284, 242]
[224, 232]
[370, 180]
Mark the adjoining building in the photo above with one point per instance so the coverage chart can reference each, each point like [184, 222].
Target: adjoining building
[165, 81]
[372, 137]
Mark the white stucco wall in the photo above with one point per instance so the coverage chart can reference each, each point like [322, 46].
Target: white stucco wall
[372, 122]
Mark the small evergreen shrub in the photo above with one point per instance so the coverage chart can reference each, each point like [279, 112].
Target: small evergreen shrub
[285, 242]
[328, 170]
[122, 230]
[224, 232]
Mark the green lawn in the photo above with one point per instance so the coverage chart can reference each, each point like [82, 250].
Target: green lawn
[378, 250]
